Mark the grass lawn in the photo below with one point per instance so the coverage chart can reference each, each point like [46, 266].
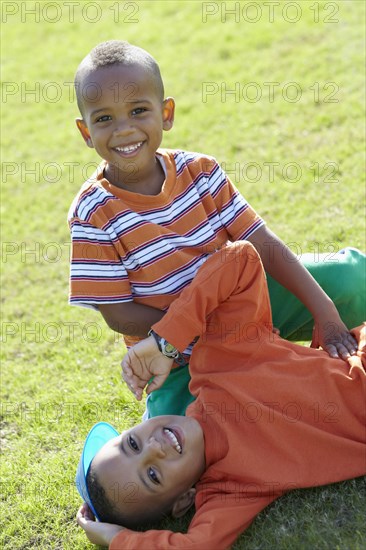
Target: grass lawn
[276, 94]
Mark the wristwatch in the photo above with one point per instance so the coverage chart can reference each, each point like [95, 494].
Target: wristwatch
[168, 349]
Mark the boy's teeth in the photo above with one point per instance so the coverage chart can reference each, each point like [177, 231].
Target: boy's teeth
[130, 148]
[173, 439]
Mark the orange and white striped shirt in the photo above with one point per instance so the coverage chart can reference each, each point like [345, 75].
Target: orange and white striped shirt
[127, 246]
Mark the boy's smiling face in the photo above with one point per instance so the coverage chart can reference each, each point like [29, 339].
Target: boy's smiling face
[152, 464]
[124, 117]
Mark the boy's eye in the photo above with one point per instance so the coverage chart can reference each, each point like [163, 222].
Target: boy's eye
[103, 118]
[139, 111]
[152, 475]
[132, 443]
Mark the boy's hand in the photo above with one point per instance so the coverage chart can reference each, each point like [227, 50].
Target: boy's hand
[332, 335]
[141, 363]
[96, 531]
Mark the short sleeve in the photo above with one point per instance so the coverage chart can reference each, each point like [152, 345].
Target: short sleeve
[236, 214]
[97, 274]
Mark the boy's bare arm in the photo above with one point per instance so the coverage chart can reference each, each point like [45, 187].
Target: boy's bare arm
[130, 318]
[329, 331]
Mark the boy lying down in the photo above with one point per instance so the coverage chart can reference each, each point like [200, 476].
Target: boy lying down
[270, 416]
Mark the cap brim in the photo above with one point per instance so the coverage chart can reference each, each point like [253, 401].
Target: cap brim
[98, 436]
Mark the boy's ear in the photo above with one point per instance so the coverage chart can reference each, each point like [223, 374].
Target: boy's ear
[168, 113]
[183, 503]
[83, 129]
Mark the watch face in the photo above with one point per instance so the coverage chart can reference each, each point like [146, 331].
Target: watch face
[169, 348]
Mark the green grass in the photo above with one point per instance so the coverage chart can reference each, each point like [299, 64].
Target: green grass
[60, 365]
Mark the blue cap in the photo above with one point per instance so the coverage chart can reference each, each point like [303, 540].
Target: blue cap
[98, 436]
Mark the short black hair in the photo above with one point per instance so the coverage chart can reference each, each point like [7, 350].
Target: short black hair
[108, 511]
[116, 52]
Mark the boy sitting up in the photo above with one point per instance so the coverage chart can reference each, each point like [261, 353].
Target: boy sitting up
[145, 222]
[270, 416]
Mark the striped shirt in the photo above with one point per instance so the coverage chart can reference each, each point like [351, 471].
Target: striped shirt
[127, 246]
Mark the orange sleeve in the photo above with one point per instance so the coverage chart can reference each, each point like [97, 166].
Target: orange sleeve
[224, 277]
[215, 526]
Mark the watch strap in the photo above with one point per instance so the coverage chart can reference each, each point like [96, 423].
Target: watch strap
[161, 343]
[156, 338]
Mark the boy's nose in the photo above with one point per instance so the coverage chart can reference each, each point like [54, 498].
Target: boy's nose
[123, 128]
[155, 448]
